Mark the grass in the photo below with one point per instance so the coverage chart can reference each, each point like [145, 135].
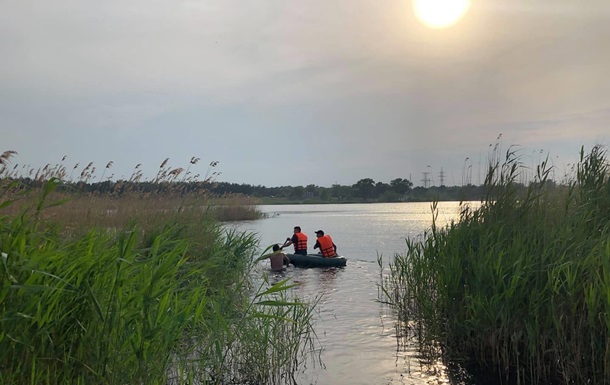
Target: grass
[174, 193]
[152, 294]
[81, 211]
[519, 286]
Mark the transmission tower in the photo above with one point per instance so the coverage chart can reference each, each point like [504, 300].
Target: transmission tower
[442, 177]
[426, 180]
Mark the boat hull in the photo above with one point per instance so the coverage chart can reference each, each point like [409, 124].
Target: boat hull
[316, 260]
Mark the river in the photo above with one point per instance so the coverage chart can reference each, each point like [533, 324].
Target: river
[356, 332]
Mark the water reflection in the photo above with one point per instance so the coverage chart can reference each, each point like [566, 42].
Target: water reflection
[357, 332]
[277, 276]
[327, 278]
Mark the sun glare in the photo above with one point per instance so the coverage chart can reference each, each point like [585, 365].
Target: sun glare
[440, 13]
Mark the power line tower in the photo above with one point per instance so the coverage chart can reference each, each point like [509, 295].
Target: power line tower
[442, 177]
[426, 180]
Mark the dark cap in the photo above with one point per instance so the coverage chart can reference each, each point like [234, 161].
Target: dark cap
[320, 232]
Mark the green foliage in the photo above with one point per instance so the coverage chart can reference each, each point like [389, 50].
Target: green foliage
[170, 305]
[520, 285]
[400, 185]
[365, 188]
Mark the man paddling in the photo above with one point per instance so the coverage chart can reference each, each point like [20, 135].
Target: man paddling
[298, 240]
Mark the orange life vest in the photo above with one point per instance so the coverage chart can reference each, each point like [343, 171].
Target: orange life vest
[326, 246]
[302, 243]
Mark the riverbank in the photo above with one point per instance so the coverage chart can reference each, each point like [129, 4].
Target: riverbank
[429, 195]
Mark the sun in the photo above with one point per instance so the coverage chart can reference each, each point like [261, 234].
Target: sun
[440, 13]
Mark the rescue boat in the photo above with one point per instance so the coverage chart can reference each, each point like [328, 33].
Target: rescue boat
[316, 260]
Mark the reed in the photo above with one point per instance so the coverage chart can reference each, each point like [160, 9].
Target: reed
[174, 194]
[171, 304]
[81, 211]
[234, 207]
[520, 285]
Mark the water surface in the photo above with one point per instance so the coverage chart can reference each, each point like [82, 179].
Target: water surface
[356, 332]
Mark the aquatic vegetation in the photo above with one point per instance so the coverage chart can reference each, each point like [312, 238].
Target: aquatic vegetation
[520, 285]
[112, 204]
[149, 303]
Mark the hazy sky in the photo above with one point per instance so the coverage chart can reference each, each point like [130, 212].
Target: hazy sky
[301, 92]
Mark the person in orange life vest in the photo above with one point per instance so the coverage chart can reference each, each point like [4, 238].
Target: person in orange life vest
[298, 240]
[276, 258]
[326, 245]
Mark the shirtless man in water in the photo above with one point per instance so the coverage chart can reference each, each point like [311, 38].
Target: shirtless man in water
[277, 259]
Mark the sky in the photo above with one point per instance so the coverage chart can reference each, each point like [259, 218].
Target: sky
[288, 93]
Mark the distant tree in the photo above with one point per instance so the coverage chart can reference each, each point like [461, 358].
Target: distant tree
[380, 189]
[297, 192]
[365, 188]
[325, 194]
[401, 186]
[312, 188]
[390, 196]
[341, 192]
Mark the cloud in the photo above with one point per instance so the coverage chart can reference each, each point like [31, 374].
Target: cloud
[275, 89]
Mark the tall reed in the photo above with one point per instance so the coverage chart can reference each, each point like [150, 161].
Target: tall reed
[173, 304]
[174, 191]
[520, 285]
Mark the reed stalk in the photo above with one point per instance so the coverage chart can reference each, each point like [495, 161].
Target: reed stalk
[135, 302]
[520, 285]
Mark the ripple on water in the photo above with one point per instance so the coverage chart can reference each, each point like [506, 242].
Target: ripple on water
[357, 332]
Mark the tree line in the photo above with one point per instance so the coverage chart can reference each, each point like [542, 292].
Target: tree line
[364, 190]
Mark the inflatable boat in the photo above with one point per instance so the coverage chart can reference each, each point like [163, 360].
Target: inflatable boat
[316, 260]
